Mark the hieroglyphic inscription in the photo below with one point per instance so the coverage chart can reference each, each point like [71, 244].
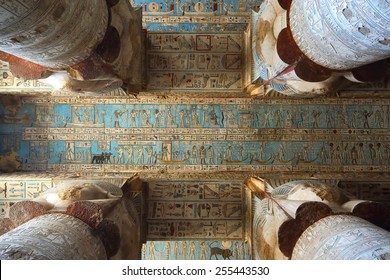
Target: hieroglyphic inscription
[201, 209]
[194, 61]
[342, 237]
[13, 190]
[340, 34]
[152, 134]
[201, 15]
[372, 191]
[10, 83]
[171, 229]
[195, 250]
[46, 236]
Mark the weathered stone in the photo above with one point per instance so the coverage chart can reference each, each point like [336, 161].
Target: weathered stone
[52, 237]
[23, 211]
[6, 225]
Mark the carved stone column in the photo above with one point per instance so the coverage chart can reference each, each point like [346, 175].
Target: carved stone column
[313, 220]
[53, 237]
[54, 34]
[77, 219]
[341, 35]
[76, 46]
[342, 237]
[312, 47]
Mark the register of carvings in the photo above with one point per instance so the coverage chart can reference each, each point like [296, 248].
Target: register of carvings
[194, 61]
[190, 134]
[204, 209]
[200, 15]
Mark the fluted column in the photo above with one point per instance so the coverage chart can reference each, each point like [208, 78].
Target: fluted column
[52, 237]
[55, 34]
[341, 35]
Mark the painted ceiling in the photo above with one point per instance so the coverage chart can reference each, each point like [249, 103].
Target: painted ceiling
[195, 15]
[194, 133]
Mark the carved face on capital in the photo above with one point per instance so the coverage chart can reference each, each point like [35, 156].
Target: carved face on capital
[67, 192]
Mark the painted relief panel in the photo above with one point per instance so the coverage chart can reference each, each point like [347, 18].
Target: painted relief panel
[373, 191]
[192, 134]
[13, 190]
[10, 83]
[379, 86]
[194, 61]
[199, 15]
[202, 209]
[195, 250]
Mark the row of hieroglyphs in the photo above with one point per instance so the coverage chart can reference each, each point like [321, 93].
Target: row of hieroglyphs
[194, 61]
[198, 15]
[188, 209]
[159, 114]
[195, 250]
[215, 134]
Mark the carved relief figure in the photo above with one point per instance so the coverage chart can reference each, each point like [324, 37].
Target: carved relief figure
[118, 114]
[211, 155]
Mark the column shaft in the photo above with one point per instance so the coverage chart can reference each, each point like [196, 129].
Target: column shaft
[342, 237]
[52, 237]
[55, 34]
[341, 35]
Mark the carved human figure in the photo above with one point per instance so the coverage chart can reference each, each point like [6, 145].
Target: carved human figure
[267, 117]
[202, 254]
[152, 251]
[171, 118]
[192, 251]
[182, 115]
[150, 155]
[202, 155]
[211, 155]
[184, 250]
[354, 155]
[157, 118]
[118, 114]
[69, 152]
[194, 155]
[140, 158]
[229, 153]
[130, 155]
[133, 117]
[145, 118]
[165, 153]
[120, 151]
[195, 117]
